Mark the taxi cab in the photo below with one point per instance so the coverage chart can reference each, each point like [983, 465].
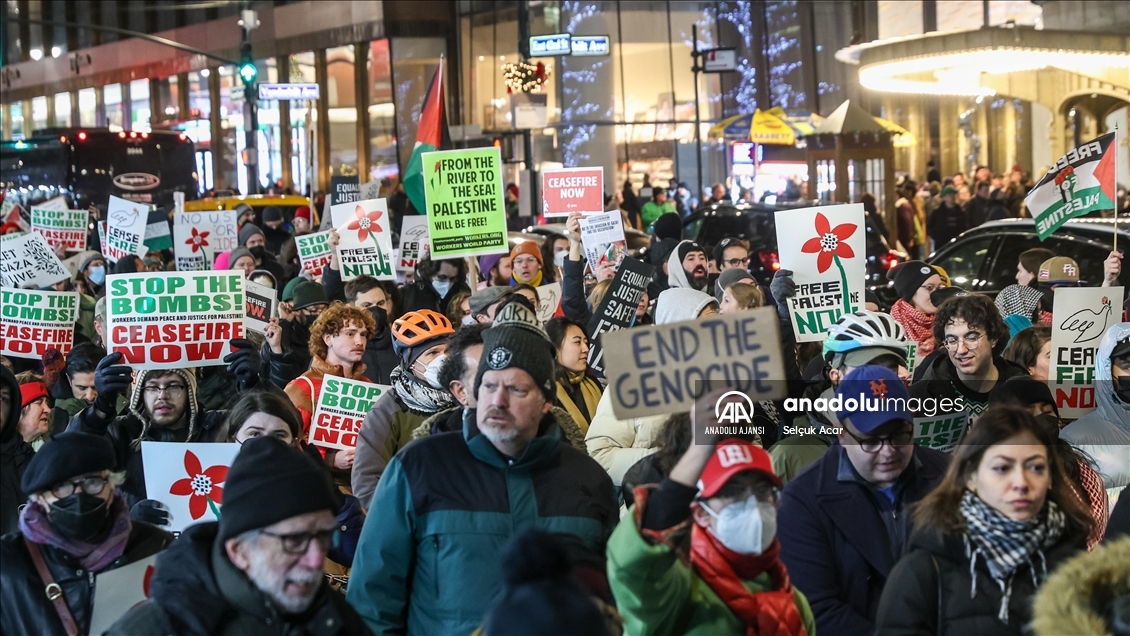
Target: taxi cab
[288, 203]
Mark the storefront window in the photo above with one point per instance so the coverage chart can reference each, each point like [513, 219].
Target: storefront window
[166, 99]
[414, 63]
[231, 135]
[38, 113]
[303, 123]
[382, 119]
[199, 102]
[88, 107]
[63, 109]
[16, 113]
[341, 100]
[139, 105]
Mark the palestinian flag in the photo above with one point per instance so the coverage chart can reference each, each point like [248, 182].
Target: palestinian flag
[157, 234]
[431, 134]
[1081, 182]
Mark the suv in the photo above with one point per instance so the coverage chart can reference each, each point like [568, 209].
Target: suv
[984, 259]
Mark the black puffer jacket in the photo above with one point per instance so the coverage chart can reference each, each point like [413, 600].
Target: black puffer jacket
[15, 453]
[197, 591]
[909, 604]
[24, 609]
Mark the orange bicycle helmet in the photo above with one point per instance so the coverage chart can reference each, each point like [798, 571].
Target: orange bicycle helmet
[415, 327]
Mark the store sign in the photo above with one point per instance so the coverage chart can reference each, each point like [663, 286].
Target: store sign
[556, 44]
[286, 92]
[590, 45]
[529, 110]
[718, 60]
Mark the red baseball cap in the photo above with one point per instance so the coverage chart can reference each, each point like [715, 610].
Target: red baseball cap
[733, 456]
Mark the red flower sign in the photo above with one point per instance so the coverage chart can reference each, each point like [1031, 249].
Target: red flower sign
[365, 223]
[829, 242]
[201, 486]
[197, 240]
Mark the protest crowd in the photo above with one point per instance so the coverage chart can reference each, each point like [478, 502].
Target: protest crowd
[310, 432]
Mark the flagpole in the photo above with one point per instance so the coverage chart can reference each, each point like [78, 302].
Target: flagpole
[1114, 148]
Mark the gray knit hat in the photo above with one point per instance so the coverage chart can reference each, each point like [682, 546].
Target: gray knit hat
[517, 339]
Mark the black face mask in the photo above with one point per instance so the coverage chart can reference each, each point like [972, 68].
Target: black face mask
[79, 516]
[380, 317]
[258, 251]
[1050, 423]
[1122, 388]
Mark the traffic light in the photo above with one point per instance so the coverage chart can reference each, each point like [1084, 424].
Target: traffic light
[247, 68]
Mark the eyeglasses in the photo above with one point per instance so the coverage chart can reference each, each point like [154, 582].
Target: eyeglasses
[737, 262]
[173, 390]
[930, 288]
[873, 444]
[90, 485]
[524, 260]
[971, 340]
[299, 542]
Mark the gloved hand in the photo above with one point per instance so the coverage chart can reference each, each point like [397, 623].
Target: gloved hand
[111, 380]
[150, 511]
[244, 363]
[783, 287]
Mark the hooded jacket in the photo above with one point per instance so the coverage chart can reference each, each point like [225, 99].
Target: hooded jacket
[127, 431]
[676, 275]
[1066, 602]
[1104, 433]
[15, 454]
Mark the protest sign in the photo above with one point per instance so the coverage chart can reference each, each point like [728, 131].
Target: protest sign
[199, 236]
[118, 590]
[413, 242]
[188, 477]
[365, 245]
[125, 229]
[941, 432]
[549, 299]
[1082, 181]
[602, 236]
[1080, 317]
[61, 227]
[261, 305]
[341, 408]
[314, 252]
[33, 321]
[370, 190]
[342, 190]
[157, 235]
[102, 237]
[912, 357]
[826, 249]
[171, 320]
[568, 190]
[618, 308]
[26, 260]
[663, 368]
[54, 203]
[463, 189]
[11, 212]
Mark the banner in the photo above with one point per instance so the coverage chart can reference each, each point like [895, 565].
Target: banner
[117, 591]
[170, 320]
[413, 242]
[826, 248]
[1080, 317]
[314, 252]
[618, 308]
[188, 477]
[125, 229]
[466, 215]
[365, 248]
[26, 260]
[341, 408]
[662, 369]
[549, 300]
[157, 235]
[33, 321]
[261, 305]
[198, 237]
[568, 190]
[61, 227]
[1082, 181]
[602, 236]
[941, 432]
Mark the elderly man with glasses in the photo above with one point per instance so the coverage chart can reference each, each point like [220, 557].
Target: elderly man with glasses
[844, 522]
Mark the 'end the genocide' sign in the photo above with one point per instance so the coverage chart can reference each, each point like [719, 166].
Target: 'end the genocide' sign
[170, 320]
[341, 409]
[35, 321]
[572, 190]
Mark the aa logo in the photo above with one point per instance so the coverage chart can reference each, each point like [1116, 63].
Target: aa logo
[734, 412]
[734, 454]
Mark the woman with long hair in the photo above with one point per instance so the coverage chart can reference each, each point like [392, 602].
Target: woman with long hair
[1001, 519]
[578, 390]
[1031, 348]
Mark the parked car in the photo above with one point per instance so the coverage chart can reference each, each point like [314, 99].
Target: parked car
[984, 259]
[637, 241]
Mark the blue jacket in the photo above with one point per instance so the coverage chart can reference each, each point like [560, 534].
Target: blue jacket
[836, 535]
[428, 559]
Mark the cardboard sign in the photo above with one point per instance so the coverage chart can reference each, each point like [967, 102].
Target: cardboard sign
[33, 321]
[188, 478]
[617, 310]
[170, 320]
[125, 229]
[261, 305]
[61, 227]
[463, 189]
[826, 248]
[199, 236]
[413, 242]
[314, 252]
[568, 190]
[663, 368]
[602, 236]
[1080, 318]
[941, 432]
[365, 248]
[26, 260]
[341, 408]
[117, 591]
[549, 299]
[54, 203]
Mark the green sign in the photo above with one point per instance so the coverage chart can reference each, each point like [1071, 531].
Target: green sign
[463, 189]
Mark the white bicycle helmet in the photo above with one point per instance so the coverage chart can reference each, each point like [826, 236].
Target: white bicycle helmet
[864, 330]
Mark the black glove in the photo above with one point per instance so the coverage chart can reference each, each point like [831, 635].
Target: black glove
[150, 511]
[783, 287]
[244, 363]
[111, 380]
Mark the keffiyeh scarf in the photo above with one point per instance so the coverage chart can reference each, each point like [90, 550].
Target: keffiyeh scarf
[918, 325]
[1020, 300]
[418, 396]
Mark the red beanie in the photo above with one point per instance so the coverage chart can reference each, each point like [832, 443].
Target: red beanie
[302, 212]
[31, 392]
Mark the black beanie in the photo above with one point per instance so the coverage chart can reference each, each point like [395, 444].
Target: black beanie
[668, 226]
[686, 247]
[64, 457]
[517, 339]
[1023, 390]
[909, 276]
[270, 482]
[272, 213]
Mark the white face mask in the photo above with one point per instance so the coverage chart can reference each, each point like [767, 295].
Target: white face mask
[431, 372]
[745, 527]
[441, 287]
[559, 259]
[469, 320]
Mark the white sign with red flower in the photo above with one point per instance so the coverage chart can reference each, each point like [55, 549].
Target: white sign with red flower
[199, 236]
[365, 246]
[188, 479]
[826, 249]
[117, 591]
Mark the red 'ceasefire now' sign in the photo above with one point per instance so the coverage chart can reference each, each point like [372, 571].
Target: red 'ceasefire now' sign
[569, 190]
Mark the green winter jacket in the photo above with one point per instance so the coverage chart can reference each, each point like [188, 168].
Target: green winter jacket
[659, 593]
[428, 559]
